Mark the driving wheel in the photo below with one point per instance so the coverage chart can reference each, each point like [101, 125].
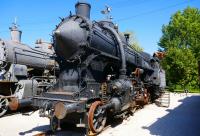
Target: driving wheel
[96, 117]
[53, 123]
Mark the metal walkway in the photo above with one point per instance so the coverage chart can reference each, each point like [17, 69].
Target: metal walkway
[164, 100]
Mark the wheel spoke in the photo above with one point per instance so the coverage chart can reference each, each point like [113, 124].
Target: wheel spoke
[95, 124]
[100, 110]
[100, 120]
[99, 124]
[96, 114]
[3, 106]
[3, 101]
[94, 120]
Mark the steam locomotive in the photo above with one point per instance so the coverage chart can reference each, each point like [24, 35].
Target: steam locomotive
[20, 70]
[100, 74]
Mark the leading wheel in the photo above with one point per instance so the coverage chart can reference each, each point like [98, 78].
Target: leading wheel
[3, 106]
[53, 123]
[96, 117]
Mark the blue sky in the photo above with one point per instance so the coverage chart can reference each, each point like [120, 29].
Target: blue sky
[37, 18]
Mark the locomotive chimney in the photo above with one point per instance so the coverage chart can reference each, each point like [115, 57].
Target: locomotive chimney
[127, 37]
[15, 33]
[83, 9]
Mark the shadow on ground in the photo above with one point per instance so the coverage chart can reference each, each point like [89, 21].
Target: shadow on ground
[67, 129]
[181, 121]
[39, 128]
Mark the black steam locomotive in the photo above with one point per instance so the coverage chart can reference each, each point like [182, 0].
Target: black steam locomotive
[19, 76]
[100, 74]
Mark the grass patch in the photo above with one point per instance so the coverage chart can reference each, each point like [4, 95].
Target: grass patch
[190, 91]
[179, 89]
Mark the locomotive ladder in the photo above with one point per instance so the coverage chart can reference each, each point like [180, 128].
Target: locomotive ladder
[164, 99]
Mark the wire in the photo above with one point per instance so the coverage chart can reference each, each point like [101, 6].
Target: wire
[52, 21]
[123, 1]
[129, 4]
[152, 11]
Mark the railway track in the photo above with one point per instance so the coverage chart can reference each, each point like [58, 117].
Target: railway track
[10, 114]
[63, 133]
[25, 112]
[74, 131]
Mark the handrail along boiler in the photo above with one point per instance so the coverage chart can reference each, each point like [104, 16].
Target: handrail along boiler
[100, 74]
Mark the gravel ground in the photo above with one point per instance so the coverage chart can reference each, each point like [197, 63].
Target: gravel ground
[182, 118]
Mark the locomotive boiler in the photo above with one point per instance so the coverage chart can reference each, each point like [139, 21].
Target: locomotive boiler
[20, 66]
[100, 74]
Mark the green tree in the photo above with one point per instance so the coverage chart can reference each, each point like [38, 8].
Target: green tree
[181, 42]
[133, 41]
[180, 66]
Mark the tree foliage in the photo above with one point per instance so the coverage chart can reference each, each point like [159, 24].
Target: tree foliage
[183, 30]
[180, 66]
[133, 41]
[181, 42]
